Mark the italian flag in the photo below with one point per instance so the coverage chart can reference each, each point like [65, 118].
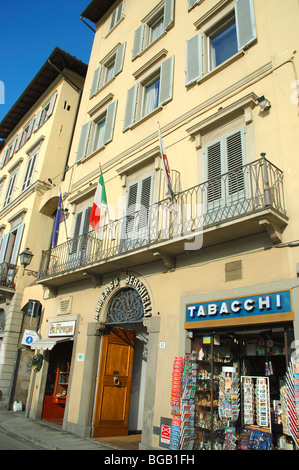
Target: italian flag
[99, 204]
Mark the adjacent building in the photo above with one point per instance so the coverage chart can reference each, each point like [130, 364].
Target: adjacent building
[37, 133]
[210, 266]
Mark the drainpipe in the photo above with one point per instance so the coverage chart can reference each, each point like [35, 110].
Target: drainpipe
[29, 399]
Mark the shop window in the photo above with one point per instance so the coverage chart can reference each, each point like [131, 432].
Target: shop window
[149, 94]
[97, 133]
[109, 68]
[221, 41]
[158, 21]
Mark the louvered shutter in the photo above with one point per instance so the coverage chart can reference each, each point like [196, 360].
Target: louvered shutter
[119, 58]
[52, 104]
[4, 247]
[138, 41]
[110, 121]
[131, 208]
[76, 233]
[168, 14]
[245, 23]
[83, 143]
[194, 68]
[145, 201]
[214, 170]
[37, 120]
[4, 157]
[17, 243]
[192, 3]
[235, 159]
[130, 107]
[85, 229]
[166, 81]
[95, 81]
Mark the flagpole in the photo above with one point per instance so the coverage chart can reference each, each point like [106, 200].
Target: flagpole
[62, 209]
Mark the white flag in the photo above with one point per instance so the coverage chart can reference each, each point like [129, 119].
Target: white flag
[166, 169]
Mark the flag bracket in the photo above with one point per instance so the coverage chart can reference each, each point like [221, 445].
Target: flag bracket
[96, 280]
[169, 261]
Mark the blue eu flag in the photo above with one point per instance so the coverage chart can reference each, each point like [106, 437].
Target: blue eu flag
[59, 218]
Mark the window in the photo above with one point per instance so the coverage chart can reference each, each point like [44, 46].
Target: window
[25, 134]
[109, 68]
[11, 187]
[222, 43]
[151, 93]
[45, 112]
[209, 49]
[79, 243]
[116, 16]
[29, 173]
[11, 245]
[159, 20]
[9, 151]
[97, 133]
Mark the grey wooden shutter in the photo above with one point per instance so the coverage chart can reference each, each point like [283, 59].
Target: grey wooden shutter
[166, 81]
[131, 207]
[4, 157]
[119, 58]
[235, 160]
[110, 121]
[52, 103]
[30, 127]
[194, 67]
[130, 107]
[214, 170]
[95, 81]
[4, 247]
[192, 3]
[76, 233]
[145, 201]
[138, 41]
[84, 138]
[37, 120]
[85, 228]
[17, 243]
[168, 14]
[245, 23]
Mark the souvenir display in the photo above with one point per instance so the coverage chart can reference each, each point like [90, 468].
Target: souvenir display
[291, 395]
[256, 401]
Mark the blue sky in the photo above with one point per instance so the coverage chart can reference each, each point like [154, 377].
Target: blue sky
[29, 31]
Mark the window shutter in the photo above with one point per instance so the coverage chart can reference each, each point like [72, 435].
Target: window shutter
[15, 251]
[214, 171]
[168, 14]
[110, 121]
[95, 82]
[119, 58]
[130, 107]
[18, 142]
[52, 103]
[4, 157]
[193, 59]
[192, 3]
[138, 41]
[145, 201]
[131, 207]
[76, 233]
[30, 127]
[234, 149]
[37, 120]
[85, 228]
[166, 81]
[245, 23]
[84, 138]
[3, 247]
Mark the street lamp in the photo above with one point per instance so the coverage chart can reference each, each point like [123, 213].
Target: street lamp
[25, 259]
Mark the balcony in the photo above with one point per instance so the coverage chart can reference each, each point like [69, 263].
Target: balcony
[245, 201]
[7, 280]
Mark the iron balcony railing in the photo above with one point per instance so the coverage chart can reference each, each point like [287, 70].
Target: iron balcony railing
[243, 191]
[7, 275]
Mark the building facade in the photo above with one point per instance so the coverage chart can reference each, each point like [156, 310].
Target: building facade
[36, 135]
[211, 268]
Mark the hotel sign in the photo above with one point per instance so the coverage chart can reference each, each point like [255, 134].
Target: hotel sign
[273, 306]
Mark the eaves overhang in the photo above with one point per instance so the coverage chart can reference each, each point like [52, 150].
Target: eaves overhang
[97, 9]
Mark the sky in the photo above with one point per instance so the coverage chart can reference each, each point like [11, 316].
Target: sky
[29, 32]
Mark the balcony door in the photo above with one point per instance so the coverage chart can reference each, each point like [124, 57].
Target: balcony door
[80, 243]
[135, 232]
[225, 189]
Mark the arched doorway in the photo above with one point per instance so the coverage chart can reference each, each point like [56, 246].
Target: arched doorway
[122, 368]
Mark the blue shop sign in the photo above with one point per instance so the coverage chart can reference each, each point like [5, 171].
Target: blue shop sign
[263, 304]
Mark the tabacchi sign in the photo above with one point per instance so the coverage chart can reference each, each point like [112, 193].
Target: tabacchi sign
[255, 305]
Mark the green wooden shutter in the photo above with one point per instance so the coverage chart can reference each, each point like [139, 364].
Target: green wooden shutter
[130, 107]
[194, 67]
[110, 121]
[166, 81]
[84, 138]
[245, 23]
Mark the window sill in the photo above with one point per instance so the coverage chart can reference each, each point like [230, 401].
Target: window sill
[221, 67]
[92, 154]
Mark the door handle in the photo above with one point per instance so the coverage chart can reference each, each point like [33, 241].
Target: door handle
[116, 381]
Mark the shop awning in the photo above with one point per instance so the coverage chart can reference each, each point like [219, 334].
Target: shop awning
[49, 343]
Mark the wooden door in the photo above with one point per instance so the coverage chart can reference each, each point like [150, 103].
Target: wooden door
[114, 383]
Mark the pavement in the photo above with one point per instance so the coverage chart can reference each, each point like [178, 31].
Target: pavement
[47, 435]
